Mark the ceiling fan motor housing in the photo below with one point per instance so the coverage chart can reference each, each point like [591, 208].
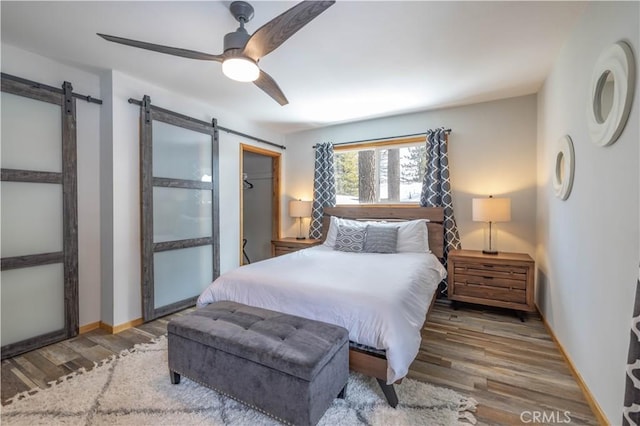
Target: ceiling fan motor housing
[236, 39]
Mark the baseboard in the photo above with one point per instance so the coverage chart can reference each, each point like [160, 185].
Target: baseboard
[120, 327]
[89, 327]
[595, 407]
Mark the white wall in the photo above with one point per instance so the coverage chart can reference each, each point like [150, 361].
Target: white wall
[492, 151]
[43, 70]
[588, 245]
[124, 183]
[106, 199]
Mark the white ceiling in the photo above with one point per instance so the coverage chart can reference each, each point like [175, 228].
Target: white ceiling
[357, 60]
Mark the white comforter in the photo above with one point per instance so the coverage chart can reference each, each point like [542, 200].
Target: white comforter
[382, 299]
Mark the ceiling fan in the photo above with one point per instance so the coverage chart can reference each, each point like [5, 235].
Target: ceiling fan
[242, 51]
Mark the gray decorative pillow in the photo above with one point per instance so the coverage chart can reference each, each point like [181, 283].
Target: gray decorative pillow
[350, 238]
[381, 239]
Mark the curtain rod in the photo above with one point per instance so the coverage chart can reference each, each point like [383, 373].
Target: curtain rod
[204, 123]
[37, 85]
[383, 139]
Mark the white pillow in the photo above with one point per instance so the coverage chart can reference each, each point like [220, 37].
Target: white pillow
[413, 236]
[332, 234]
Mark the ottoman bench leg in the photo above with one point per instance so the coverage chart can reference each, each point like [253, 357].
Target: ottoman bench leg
[175, 377]
[343, 393]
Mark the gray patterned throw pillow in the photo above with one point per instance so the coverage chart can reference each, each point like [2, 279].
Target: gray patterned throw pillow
[381, 239]
[350, 239]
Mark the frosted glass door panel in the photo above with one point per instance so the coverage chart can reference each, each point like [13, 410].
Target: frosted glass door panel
[32, 302]
[181, 153]
[31, 134]
[181, 274]
[180, 214]
[31, 218]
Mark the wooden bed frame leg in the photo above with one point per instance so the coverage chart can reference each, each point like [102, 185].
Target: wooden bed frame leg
[175, 377]
[389, 393]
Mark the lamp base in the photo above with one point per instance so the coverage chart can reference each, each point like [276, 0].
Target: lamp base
[490, 239]
[300, 234]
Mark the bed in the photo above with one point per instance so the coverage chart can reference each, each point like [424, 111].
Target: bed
[382, 299]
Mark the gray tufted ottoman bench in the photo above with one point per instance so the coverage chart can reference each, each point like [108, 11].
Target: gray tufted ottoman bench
[288, 367]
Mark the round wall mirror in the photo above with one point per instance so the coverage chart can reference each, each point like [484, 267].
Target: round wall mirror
[560, 173]
[564, 168]
[604, 94]
[612, 88]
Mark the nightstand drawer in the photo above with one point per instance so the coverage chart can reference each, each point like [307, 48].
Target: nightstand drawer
[490, 281]
[279, 251]
[493, 270]
[492, 293]
[290, 245]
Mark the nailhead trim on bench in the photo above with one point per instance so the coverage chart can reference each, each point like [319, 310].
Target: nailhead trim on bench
[234, 398]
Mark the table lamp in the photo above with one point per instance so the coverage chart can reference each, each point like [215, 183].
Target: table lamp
[491, 210]
[300, 209]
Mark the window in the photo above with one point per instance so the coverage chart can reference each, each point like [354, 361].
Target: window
[389, 172]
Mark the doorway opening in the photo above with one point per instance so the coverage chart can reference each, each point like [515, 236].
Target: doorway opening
[259, 202]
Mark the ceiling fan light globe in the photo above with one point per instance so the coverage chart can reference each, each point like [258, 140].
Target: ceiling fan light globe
[241, 69]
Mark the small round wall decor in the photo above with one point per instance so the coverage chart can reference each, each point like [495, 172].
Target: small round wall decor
[612, 88]
[564, 166]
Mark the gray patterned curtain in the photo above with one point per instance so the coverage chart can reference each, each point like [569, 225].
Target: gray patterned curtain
[324, 187]
[631, 410]
[436, 190]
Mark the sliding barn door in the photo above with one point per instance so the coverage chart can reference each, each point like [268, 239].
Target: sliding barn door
[179, 192]
[39, 269]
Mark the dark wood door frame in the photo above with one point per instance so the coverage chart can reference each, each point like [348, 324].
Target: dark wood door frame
[275, 196]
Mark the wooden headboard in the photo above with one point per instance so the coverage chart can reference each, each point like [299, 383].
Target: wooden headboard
[435, 215]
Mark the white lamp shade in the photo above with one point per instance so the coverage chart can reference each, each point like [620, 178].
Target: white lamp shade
[299, 208]
[491, 209]
[240, 69]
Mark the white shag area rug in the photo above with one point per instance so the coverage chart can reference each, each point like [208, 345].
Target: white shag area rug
[134, 389]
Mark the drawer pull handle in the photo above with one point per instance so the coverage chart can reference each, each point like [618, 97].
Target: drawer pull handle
[487, 278]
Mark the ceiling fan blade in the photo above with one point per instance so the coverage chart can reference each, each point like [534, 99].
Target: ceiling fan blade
[185, 53]
[275, 32]
[271, 88]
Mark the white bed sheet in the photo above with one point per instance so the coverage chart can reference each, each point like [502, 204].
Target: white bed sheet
[382, 299]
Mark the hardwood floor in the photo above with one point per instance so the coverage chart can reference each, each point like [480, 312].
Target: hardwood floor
[508, 366]
[36, 369]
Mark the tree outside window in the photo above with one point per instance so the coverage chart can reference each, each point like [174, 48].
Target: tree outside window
[380, 174]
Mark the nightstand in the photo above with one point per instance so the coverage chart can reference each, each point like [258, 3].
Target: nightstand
[504, 280]
[289, 245]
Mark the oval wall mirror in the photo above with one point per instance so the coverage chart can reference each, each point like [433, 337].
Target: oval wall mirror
[564, 167]
[612, 87]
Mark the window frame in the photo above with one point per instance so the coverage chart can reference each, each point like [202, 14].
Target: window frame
[377, 144]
